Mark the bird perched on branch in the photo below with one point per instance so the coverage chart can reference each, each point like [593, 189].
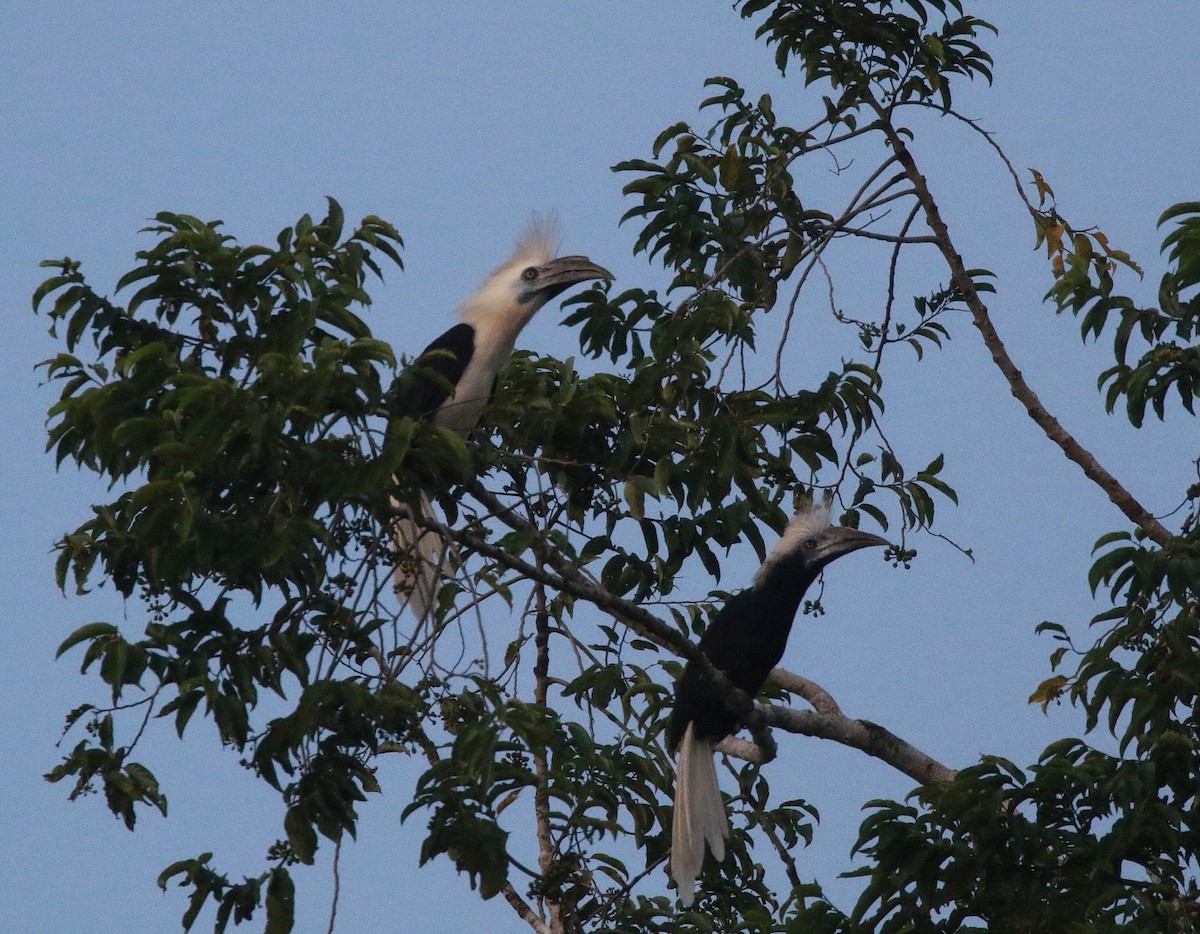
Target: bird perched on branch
[745, 641]
[453, 378]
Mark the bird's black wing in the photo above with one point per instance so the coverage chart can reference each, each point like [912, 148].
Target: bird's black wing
[430, 379]
[745, 641]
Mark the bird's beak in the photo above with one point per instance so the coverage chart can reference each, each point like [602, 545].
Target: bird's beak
[840, 540]
[560, 274]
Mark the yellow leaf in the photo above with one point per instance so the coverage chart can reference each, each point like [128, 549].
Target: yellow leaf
[730, 169]
[1049, 690]
[1043, 189]
[635, 498]
[1054, 236]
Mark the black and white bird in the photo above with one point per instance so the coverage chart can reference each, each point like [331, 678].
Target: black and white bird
[745, 641]
[453, 378]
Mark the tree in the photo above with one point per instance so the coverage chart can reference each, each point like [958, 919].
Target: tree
[248, 419]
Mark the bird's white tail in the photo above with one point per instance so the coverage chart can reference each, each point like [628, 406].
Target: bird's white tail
[699, 813]
[420, 558]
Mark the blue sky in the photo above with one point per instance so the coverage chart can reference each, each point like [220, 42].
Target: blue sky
[457, 127]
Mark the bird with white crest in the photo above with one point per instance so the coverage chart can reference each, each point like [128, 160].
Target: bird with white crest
[744, 642]
[452, 380]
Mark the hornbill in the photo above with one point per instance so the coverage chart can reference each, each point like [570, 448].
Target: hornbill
[452, 379]
[745, 641]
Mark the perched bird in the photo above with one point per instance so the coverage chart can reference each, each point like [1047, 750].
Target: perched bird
[453, 378]
[745, 641]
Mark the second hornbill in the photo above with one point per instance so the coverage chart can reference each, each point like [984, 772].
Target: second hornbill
[453, 378]
[745, 641]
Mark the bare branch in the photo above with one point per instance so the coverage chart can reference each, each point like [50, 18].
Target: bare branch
[745, 749]
[889, 238]
[337, 885]
[974, 125]
[828, 722]
[818, 245]
[866, 736]
[851, 207]
[821, 700]
[1120, 497]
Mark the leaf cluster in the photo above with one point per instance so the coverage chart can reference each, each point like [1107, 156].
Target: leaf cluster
[901, 50]
[1169, 364]
[241, 401]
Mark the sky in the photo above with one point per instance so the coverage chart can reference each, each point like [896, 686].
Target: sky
[456, 127]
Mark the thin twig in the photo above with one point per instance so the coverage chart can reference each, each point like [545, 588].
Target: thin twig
[337, 885]
[889, 238]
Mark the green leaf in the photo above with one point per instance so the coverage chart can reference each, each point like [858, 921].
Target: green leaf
[84, 633]
[50, 285]
[635, 499]
[1177, 210]
[280, 902]
[300, 834]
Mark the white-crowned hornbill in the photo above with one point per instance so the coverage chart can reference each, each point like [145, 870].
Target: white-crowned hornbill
[745, 641]
[453, 378]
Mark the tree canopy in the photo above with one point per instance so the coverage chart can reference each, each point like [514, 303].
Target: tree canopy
[235, 398]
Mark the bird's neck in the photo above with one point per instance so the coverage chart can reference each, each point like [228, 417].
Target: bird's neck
[500, 321]
[783, 586]
[494, 340]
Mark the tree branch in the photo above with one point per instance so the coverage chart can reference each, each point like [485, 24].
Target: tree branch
[745, 749]
[1120, 497]
[889, 238]
[337, 885]
[821, 700]
[828, 722]
[866, 736]
[547, 851]
[521, 907]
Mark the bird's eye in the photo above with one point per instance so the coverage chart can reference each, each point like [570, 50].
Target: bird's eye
[810, 544]
[530, 274]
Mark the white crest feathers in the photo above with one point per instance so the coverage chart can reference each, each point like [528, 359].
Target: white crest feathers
[538, 243]
[494, 303]
[809, 522]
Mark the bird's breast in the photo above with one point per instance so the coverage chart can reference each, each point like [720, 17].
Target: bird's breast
[461, 410]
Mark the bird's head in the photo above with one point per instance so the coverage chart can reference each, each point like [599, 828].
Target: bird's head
[540, 282]
[810, 541]
[529, 278]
